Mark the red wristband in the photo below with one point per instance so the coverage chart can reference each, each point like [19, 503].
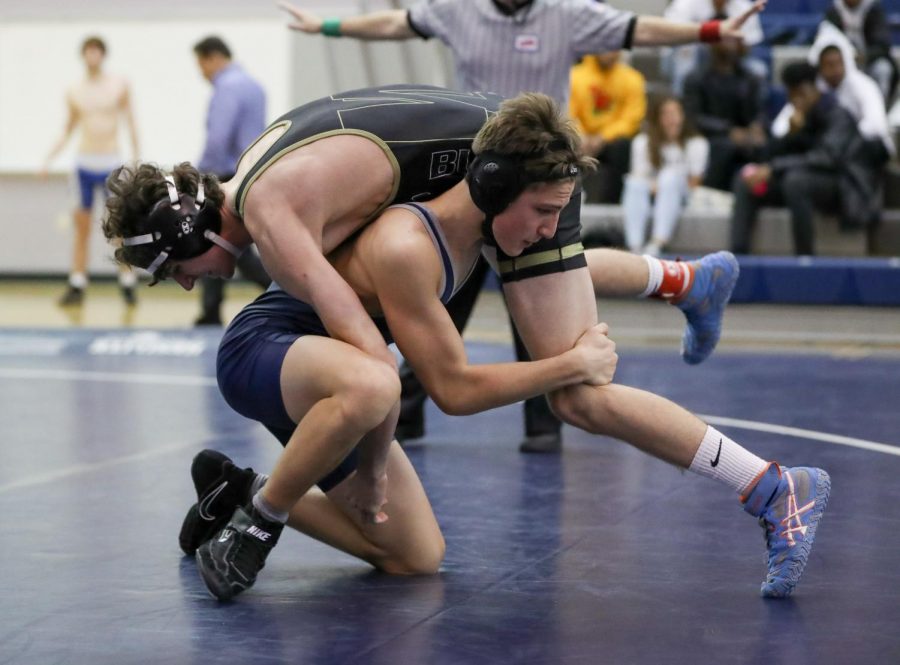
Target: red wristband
[709, 31]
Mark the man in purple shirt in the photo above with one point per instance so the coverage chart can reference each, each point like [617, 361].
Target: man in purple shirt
[236, 116]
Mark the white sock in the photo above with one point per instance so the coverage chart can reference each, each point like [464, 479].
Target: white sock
[720, 458]
[258, 483]
[655, 278]
[267, 510]
[78, 280]
[127, 279]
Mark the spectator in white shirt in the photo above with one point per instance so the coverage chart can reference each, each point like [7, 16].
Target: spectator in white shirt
[835, 57]
[667, 161]
[866, 25]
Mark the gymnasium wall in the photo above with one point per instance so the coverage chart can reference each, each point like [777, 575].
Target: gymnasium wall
[151, 44]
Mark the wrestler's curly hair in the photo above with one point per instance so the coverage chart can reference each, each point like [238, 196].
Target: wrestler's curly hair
[532, 124]
[133, 191]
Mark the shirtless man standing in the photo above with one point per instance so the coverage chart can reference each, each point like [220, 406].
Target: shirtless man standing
[95, 105]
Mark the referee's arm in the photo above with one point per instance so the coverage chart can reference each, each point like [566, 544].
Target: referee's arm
[388, 24]
[656, 31]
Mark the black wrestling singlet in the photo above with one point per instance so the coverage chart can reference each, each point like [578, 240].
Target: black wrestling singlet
[425, 131]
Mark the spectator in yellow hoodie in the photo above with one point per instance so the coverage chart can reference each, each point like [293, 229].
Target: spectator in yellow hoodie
[608, 103]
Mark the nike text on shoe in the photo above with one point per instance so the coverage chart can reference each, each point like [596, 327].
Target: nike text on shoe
[230, 561]
[704, 305]
[221, 487]
[789, 503]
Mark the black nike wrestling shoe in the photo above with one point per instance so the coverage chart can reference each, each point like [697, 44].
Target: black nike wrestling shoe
[230, 561]
[221, 487]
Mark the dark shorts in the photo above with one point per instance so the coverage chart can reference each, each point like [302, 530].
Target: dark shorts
[88, 183]
[248, 366]
[562, 252]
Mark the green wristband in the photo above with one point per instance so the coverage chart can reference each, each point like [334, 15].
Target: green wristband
[331, 27]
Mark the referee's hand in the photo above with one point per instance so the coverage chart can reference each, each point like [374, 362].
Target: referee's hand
[304, 21]
[730, 29]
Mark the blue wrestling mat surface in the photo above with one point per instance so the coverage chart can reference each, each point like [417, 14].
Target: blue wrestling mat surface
[601, 555]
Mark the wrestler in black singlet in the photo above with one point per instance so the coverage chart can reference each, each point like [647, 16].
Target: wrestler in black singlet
[426, 132]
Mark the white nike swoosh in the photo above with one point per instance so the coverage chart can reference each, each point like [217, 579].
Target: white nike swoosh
[207, 502]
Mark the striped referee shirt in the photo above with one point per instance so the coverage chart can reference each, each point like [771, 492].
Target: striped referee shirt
[531, 51]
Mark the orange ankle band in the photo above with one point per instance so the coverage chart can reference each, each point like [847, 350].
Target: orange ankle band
[678, 277]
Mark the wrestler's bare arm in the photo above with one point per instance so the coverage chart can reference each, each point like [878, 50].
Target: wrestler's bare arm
[657, 31]
[304, 207]
[293, 257]
[405, 273]
[386, 24]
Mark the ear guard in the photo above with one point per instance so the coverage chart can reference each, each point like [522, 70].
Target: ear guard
[495, 181]
[181, 227]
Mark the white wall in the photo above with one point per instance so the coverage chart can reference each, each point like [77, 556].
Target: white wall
[151, 43]
[170, 99]
[38, 61]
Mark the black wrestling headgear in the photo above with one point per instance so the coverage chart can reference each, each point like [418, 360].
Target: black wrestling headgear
[495, 180]
[180, 227]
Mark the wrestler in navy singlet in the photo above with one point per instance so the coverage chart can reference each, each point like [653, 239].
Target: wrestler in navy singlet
[252, 350]
[426, 133]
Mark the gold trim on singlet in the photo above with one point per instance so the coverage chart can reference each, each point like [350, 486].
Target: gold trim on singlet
[532, 260]
[395, 165]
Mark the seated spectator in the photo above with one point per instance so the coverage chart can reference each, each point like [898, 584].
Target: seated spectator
[667, 162]
[608, 103]
[835, 58]
[865, 24]
[682, 60]
[723, 98]
[820, 163]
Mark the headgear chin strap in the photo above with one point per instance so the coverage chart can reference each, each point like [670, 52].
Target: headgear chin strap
[181, 227]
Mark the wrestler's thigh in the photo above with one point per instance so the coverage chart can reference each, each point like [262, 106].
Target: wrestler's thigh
[552, 311]
[315, 368]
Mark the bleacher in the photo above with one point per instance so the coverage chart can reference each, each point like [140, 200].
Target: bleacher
[857, 268]
[796, 21]
[852, 275]
[792, 21]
